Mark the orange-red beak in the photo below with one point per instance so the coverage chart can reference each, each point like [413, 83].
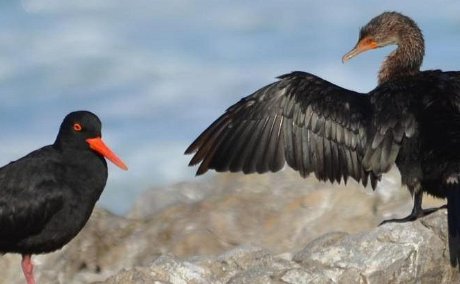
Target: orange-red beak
[363, 45]
[99, 146]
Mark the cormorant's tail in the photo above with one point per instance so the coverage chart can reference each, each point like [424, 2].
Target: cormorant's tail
[453, 221]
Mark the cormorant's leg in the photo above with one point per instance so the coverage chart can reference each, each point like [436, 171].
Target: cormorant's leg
[453, 222]
[28, 268]
[417, 211]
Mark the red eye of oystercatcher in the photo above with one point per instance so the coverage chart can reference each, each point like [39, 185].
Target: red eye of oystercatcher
[77, 127]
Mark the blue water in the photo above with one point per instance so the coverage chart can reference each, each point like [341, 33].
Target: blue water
[158, 72]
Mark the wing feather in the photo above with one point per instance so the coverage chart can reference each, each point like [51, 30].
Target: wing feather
[302, 120]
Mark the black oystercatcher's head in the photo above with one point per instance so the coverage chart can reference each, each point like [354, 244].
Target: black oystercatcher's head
[385, 29]
[82, 130]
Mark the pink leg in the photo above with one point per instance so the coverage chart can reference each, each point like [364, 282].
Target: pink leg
[28, 268]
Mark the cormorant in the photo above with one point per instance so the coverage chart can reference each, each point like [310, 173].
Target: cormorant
[411, 119]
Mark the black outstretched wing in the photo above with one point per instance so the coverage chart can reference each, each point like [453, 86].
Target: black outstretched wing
[29, 194]
[313, 125]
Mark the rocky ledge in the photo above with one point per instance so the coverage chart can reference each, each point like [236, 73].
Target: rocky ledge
[275, 228]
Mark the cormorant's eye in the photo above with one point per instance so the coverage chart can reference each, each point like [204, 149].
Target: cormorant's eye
[77, 127]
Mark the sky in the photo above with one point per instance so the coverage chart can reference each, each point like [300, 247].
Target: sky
[159, 72]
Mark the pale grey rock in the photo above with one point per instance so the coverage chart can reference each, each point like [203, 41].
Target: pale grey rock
[281, 212]
[157, 199]
[303, 276]
[245, 264]
[394, 253]
[274, 228]
[166, 269]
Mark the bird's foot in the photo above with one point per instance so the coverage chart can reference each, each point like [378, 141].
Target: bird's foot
[414, 215]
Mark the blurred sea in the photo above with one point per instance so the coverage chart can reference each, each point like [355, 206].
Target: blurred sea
[159, 72]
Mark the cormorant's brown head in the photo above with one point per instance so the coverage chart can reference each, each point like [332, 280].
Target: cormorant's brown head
[385, 29]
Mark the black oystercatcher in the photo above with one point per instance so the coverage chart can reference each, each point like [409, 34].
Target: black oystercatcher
[47, 196]
[411, 119]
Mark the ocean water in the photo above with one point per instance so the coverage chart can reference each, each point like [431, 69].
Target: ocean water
[159, 72]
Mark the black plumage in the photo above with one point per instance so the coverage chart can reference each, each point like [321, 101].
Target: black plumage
[47, 196]
[250, 136]
[410, 119]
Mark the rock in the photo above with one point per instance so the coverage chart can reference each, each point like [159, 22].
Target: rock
[393, 253]
[166, 269]
[246, 264]
[274, 228]
[280, 212]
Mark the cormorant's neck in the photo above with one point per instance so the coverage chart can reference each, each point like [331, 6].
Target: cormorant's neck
[406, 59]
